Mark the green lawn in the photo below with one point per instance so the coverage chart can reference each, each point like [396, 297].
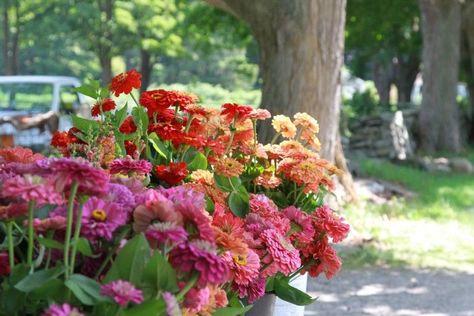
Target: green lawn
[435, 229]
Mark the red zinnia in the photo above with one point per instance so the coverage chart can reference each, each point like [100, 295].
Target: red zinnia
[125, 82]
[173, 173]
[106, 105]
[159, 100]
[130, 148]
[4, 264]
[60, 140]
[128, 126]
[234, 110]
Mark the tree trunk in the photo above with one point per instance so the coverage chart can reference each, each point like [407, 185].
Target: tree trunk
[439, 118]
[145, 68]
[301, 54]
[382, 74]
[105, 46]
[10, 40]
[405, 76]
[468, 28]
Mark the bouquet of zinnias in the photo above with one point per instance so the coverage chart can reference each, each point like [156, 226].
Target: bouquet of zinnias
[164, 207]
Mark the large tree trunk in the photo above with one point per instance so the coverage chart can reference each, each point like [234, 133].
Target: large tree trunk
[383, 76]
[439, 118]
[468, 28]
[145, 68]
[301, 54]
[10, 39]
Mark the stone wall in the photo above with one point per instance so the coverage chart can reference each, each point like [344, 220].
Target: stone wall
[388, 135]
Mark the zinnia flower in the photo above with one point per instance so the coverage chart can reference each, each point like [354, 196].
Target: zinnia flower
[56, 222]
[284, 257]
[66, 171]
[121, 195]
[162, 233]
[326, 259]
[62, 310]
[172, 174]
[252, 291]
[283, 125]
[158, 100]
[199, 256]
[307, 122]
[301, 226]
[130, 148]
[172, 305]
[244, 267]
[268, 180]
[128, 165]
[229, 167]
[195, 220]
[195, 300]
[335, 226]
[128, 126]
[13, 210]
[19, 154]
[259, 114]
[26, 189]
[102, 106]
[125, 82]
[122, 292]
[231, 111]
[101, 219]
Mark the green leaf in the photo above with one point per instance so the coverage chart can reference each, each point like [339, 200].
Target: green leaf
[87, 90]
[160, 274]
[140, 118]
[280, 199]
[38, 279]
[50, 243]
[104, 93]
[85, 289]
[53, 289]
[199, 162]
[130, 261]
[227, 184]
[83, 124]
[232, 311]
[84, 247]
[150, 307]
[120, 115]
[158, 145]
[290, 294]
[239, 202]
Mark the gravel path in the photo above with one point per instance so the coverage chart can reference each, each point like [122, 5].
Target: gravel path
[387, 292]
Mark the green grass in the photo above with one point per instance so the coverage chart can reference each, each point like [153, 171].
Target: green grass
[435, 229]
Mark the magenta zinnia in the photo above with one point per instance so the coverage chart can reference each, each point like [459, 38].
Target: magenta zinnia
[122, 292]
[62, 310]
[101, 219]
[130, 166]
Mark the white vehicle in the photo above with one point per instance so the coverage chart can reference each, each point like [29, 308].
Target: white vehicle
[34, 107]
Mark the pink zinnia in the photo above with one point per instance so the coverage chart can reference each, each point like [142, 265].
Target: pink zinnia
[301, 226]
[156, 208]
[167, 232]
[196, 299]
[128, 165]
[335, 226]
[267, 210]
[52, 223]
[172, 305]
[283, 257]
[252, 291]
[62, 310]
[196, 221]
[244, 267]
[200, 256]
[122, 292]
[31, 189]
[101, 219]
[13, 210]
[66, 171]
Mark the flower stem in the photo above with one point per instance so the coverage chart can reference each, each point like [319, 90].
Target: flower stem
[11, 250]
[77, 231]
[67, 239]
[186, 289]
[29, 257]
[134, 99]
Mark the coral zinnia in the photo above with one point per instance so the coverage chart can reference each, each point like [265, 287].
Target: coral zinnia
[172, 174]
[301, 226]
[122, 292]
[231, 111]
[244, 267]
[19, 154]
[284, 257]
[229, 167]
[199, 256]
[101, 219]
[102, 106]
[125, 82]
[335, 226]
[283, 125]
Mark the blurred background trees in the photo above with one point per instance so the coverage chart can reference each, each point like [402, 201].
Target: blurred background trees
[195, 46]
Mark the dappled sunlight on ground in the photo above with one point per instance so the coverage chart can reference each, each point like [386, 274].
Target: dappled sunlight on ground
[384, 292]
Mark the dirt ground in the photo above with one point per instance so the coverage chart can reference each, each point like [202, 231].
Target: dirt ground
[387, 292]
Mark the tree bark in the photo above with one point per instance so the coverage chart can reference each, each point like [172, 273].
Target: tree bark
[105, 46]
[383, 76]
[301, 54]
[405, 76]
[439, 117]
[468, 30]
[10, 39]
[145, 68]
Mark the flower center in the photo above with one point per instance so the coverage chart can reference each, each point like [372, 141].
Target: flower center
[99, 215]
[240, 260]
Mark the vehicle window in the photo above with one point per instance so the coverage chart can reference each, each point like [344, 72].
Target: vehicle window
[68, 99]
[26, 96]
